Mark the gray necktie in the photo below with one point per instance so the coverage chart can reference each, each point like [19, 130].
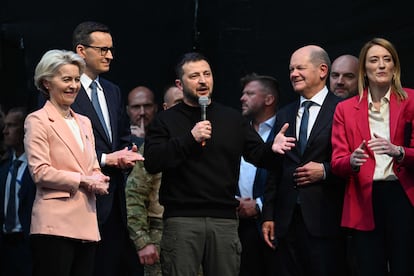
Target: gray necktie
[10, 221]
[97, 106]
[303, 132]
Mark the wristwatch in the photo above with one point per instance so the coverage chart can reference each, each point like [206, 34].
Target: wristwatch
[401, 155]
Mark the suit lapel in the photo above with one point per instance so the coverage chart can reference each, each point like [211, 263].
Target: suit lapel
[63, 131]
[291, 131]
[324, 118]
[4, 170]
[396, 108]
[83, 105]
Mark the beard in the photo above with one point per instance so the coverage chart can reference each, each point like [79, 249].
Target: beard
[190, 97]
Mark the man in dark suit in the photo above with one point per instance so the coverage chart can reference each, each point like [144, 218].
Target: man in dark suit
[115, 253]
[15, 259]
[260, 97]
[303, 200]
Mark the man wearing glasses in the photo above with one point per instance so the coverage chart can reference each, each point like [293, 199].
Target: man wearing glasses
[101, 100]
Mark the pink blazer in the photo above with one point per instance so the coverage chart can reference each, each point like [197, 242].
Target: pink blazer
[56, 162]
[350, 127]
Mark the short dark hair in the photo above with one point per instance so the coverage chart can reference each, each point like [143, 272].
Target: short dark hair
[21, 110]
[81, 34]
[188, 57]
[270, 84]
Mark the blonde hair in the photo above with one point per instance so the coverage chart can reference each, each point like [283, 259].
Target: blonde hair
[363, 83]
[50, 63]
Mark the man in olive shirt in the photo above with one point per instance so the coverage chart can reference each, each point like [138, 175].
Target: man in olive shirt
[144, 212]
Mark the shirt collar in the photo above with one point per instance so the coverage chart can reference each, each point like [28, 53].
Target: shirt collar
[269, 122]
[386, 98]
[22, 157]
[86, 81]
[318, 98]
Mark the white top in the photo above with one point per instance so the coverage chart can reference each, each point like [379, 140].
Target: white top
[248, 170]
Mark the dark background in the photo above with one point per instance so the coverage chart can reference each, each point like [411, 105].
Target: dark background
[238, 37]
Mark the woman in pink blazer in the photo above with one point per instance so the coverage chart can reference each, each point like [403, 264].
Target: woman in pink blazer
[373, 148]
[62, 160]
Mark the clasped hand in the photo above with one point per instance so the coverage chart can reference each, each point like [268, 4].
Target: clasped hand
[148, 255]
[125, 158]
[97, 183]
[378, 145]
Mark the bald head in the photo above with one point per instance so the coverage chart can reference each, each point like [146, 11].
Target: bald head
[343, 78]
[172, 96]
[309, 69]
[141, 106]
[140, 92]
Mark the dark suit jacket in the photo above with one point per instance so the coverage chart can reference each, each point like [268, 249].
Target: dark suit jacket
[26, 197]
[321, 202]
[120, 139]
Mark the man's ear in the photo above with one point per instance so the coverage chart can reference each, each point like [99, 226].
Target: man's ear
[178, 84]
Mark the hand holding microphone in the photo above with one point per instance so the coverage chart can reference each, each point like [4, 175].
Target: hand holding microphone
[203, 102]
[202, 130]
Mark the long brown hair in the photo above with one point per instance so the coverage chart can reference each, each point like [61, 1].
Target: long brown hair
[396, 86]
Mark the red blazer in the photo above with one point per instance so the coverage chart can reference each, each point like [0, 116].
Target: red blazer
[350, 127]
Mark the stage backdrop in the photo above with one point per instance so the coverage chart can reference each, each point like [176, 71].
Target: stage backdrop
[239, 37]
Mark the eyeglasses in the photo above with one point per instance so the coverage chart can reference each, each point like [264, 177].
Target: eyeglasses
[104, 50]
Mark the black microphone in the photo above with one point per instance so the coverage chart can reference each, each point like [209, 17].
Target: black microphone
[203, 102]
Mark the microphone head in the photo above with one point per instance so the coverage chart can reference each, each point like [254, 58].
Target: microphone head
[203, 100]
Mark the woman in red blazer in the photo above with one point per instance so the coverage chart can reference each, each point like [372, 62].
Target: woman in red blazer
[61, 156]
[372, 141]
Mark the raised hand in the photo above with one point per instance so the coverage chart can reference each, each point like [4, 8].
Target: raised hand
[281, 143]
[359, 157]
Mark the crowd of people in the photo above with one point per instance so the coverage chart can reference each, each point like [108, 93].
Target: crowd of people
[92, 184]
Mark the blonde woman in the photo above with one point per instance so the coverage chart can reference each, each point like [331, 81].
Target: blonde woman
[61, 155]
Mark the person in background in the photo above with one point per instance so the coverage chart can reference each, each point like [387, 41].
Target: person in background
[102, 102]
[3, 148]
[172, 96]
[303, 199]
[260, 98]
[141, 109]
[15, 256]
[144, 211]
[372, 139]
[61, 156]
[343, 79]
[199, 161]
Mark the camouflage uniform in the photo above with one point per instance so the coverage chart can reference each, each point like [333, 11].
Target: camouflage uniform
[144, 211]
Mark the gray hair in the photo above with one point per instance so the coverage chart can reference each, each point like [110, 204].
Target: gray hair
[50, 63]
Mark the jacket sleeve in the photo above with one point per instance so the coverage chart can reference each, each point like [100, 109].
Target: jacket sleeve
[138, 188]
[340, 163]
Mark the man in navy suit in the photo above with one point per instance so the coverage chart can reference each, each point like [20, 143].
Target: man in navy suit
[303, 199]
[15, 259]
[115, 253]
[260, 97]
